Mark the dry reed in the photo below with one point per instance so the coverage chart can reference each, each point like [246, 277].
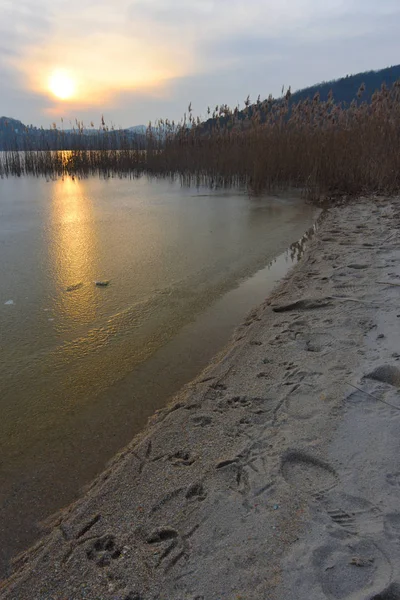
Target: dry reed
[320, 147]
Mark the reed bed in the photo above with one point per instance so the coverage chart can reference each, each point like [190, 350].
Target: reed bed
[322, 148]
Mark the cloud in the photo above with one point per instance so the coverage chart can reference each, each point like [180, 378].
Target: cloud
[172, 12]
[139, 59]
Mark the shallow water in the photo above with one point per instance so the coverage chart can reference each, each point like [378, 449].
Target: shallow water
[83, 367]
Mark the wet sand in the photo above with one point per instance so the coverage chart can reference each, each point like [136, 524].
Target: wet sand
[275, 473]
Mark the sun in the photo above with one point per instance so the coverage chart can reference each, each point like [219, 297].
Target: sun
[62, 85]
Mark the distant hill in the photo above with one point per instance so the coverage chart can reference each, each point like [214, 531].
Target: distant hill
[138, 129]
[15, 135]
[344, 91]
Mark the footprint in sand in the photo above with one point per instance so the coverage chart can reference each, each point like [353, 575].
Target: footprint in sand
[307, 473]
[353, 514]
[386, 374]
[353, 570]
[311, 475]
[391, 593]
[393, 479]
[350, 288]
[392, 525]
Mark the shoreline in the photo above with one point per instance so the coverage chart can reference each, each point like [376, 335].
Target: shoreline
[82, 372]
[216, 497]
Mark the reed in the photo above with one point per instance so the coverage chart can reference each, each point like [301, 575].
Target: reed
[323, 148]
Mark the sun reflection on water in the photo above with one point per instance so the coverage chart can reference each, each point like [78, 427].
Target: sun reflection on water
[74, 250]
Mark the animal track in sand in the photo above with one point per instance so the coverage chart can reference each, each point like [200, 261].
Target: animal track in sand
[202, 420]
[307, 473]
[315, 342]
[103, 551]
[173, 545]
[226, 463]
[218, 386]
[88, 526]
[169, 539]
[303, 402]
[196, 491]
[162, 534]
[169, 497]
[298, 321]
[254, 405]
[246, 475]
[244, 401]
[182, 458]
[298, 375]
[358, 266]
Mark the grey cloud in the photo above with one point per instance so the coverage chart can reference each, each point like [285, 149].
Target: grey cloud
[298, 64]
[374, 7]
[7, 52]
[15, 102]
[245, 47]
[21, 25]
[171, 12]
[362, 35]
[360, 23]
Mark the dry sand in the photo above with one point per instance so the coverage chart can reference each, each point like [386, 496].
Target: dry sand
[270, 477]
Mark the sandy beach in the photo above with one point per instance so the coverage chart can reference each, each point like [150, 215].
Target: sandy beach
[275, 475]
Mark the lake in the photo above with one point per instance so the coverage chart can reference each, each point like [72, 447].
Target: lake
[82, 367]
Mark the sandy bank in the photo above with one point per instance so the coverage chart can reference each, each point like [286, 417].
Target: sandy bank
[270, 476]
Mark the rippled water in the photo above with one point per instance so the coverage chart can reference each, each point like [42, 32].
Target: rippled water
[82, 367]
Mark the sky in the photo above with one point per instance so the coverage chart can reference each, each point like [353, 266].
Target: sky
[138, 60]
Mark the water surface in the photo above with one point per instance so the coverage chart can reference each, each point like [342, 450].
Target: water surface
[82, 367]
